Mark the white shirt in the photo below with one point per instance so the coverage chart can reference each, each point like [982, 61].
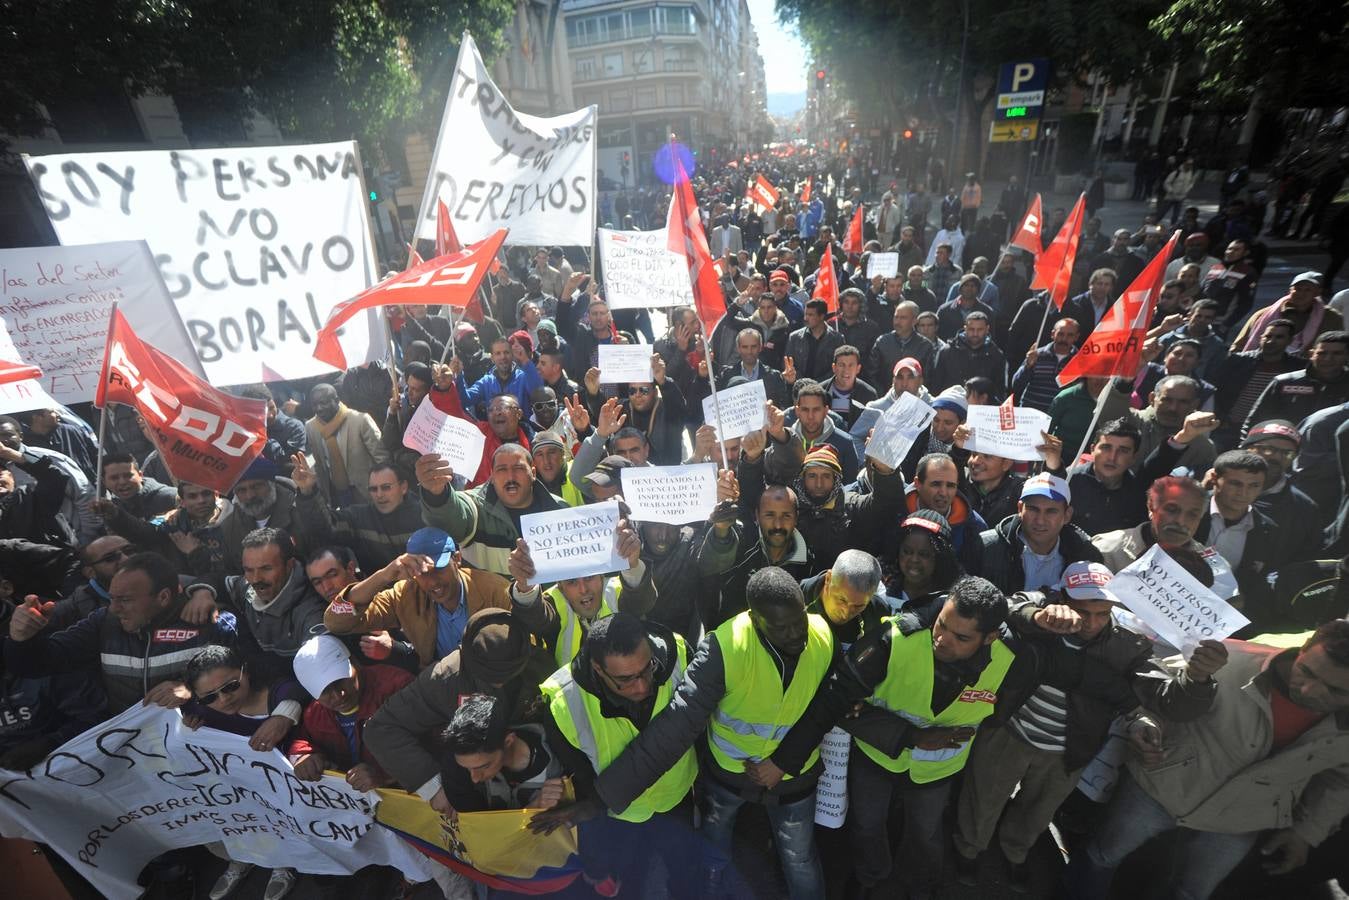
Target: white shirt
[1228, 540]
[1041, 570]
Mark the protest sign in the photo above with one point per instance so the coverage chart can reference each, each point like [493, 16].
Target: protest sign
[624, 363]
[1173, 603]
[742, 410]
[141, 784]
[57, 301]
[457, 440]
[572, 543]
[883, 265]
[640, 271]
[498, 168]
[673, 495]
[21, 396]
[831, 791]
[1011, 438]
[897, 429]
[255, 245]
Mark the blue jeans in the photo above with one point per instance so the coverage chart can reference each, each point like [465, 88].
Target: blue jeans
[793, 832]
[1205, 857]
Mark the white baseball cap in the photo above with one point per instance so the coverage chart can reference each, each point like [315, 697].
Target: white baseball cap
[321, 661]
[1086, 581]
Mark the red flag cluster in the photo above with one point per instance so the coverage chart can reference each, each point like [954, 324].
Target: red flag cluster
[204, 435]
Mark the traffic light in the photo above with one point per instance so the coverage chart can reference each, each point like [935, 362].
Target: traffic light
[819, 76]
[908, 134]
[371, 183]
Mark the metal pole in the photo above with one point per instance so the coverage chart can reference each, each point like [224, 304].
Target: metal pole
[960, 89]
[1095, 418]
[716, 404]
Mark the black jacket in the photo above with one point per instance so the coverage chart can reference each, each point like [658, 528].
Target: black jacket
[1003, 546]
[1236, 369]
[958, 362]
[1295, 396]
[998, 503]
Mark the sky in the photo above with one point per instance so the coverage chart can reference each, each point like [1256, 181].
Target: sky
[784, 55]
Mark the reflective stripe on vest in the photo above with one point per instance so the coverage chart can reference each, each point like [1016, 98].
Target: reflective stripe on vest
[570, 631]
[577, 714]
[756, 713]
[906, 691]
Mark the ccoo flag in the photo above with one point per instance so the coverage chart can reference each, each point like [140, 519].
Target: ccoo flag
[1054, 267]
[762, 193]
[1028, 234]
[826, 281]
[1115, 345]
[685, 235]
[204, 435]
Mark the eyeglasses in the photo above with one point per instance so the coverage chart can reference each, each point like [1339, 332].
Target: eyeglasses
[119, 553]
[639, 390]
[625, 680]
[545, 406]
[226, 689]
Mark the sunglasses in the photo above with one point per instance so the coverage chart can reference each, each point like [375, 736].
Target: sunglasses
[226, 689]
[120, 553]
[540, 407]
[639, 390]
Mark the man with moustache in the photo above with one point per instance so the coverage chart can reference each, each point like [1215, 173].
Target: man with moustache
[1176, 506]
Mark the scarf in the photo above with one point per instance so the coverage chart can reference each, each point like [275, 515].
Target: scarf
[337, 465]
[1301, 341]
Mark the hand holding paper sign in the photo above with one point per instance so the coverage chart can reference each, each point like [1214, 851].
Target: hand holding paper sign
[624, 364]
[573, 543]
[1175, 604]
[434, 474]
[457, 441]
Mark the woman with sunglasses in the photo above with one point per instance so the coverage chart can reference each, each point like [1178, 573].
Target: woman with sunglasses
[926, 565]
[230, 694]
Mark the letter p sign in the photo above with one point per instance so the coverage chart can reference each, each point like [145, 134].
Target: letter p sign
[1022, 73]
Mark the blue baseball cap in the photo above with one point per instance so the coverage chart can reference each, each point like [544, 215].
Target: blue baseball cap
[434, 543]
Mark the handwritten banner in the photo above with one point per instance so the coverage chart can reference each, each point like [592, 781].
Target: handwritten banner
[141, 784]
[624, 363]
[897, 429]
[57, 301]
[673, 495]
[742, 410]
[640, 271]
[1018, 442]
[457, 440]
[1173, 603]
[831, 791]
[573, 543]
[255, 244]
[884, 265]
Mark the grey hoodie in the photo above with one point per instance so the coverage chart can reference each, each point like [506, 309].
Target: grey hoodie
[279, 627]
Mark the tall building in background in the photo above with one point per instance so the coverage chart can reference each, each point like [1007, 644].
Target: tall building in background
[654, 69]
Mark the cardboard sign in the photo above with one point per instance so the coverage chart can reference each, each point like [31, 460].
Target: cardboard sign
[673, 495]
[573, 543]
[885, 265]
[457, 440]
[624, 363]
[1173, 603]
[1017, 442]
[255, 245]
[57, 301]
[742, 410]
[831, 791]
[640, 271]
[897, 429]
[498, 168]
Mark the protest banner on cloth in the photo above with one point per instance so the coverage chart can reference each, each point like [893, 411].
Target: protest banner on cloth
[1173, 603]
[57, 301]
[497, 168]
[742, 410]
[255, 244]
[897, 429]
[624, 363]
[883, 265]
[457, 440]
[141, 784]
[1016, 438]
[640, 270]
[573, 543]
[673, 495]
[831, 791]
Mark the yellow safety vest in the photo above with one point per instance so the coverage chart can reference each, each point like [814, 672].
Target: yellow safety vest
[577, 714]
[907, 692]
[571, 494]
[756, 714]
[570, 631]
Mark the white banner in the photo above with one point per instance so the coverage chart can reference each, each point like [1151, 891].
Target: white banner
[255, 244]
[457, 440]
[1173, 602]
[640, 271]
[141, 784]
[831, 791]
[886, 265]
[897, 429]
[498, 168]
[1015, 438]
[57, 301]
[624, 363]
[742, 410]
[573, 543]
[674, 495]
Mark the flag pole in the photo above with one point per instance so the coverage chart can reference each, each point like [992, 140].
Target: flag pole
[716, 404]
[449, 350]
[103, 411]
[1095, 418]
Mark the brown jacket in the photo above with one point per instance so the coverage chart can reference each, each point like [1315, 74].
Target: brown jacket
[406, 606]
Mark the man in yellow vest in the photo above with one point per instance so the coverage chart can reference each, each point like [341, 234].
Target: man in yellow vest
[562, 614]
[598, 704]
[749, 682]
[928, 680]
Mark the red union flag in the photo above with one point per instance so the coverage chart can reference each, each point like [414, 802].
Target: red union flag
[1115, 345]
[762, 193]
[826, 284]
[444, 281]
[684, 235]
[204, 435]
[1054, 267]
[1007, 414]
[1028, 234]
[852, 242]
[805, 192]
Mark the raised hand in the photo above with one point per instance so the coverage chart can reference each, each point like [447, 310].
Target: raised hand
[592, 381]
[658, 368]
[304, 476]
[611, 418]
[521, 566]
[30, 617]
[434, 474]
[578, 414]
[789, 370]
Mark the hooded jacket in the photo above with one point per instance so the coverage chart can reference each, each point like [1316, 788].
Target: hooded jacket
[1004, 544]
[320, 731]
[279, 627]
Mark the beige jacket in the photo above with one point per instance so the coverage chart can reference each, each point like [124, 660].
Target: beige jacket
[1218, 773]
[358, 441]
[1119, 548]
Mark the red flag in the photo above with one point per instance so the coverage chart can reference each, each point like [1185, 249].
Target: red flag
[444, 281]
[204, 435]
[853, 242]
[762, 193]
[447, 242]
[805, 193]
[11, 372]
[414, 258]
[1027, 234]
[1054, 267]
[685, 235]
[1115, 345]
[826, 284]
[1007, 414]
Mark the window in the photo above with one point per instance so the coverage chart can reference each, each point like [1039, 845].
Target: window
[620, 101]
[646, 98]
[674, 95]
[643, 59]
[613, 65]
[585, 69]
[639, 23]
